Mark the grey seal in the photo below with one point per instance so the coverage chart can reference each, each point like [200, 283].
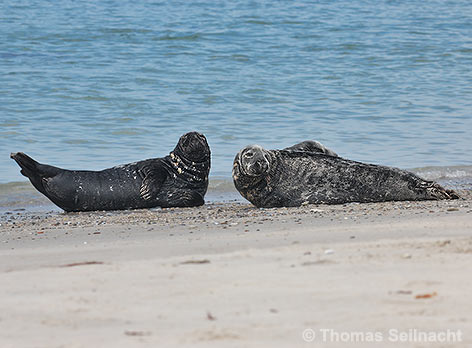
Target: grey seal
[177, 180]
[304, 174]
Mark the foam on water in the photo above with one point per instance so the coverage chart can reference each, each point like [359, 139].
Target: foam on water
[462, 173]
[455, 177]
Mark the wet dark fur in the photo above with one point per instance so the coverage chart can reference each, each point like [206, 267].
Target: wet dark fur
[295, 177]
[177, 180]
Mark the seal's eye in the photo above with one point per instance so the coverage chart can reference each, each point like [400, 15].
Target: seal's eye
[249, 154]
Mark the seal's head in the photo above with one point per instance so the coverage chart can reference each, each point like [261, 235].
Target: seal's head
[252, 161]
[193, 147]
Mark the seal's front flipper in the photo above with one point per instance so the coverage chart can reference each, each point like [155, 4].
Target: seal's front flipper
[185, 200]
[153, 176]
[311, 146]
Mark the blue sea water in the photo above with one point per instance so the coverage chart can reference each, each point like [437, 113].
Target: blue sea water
[92, 84]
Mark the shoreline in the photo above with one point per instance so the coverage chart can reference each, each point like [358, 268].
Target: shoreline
[22, 196]
[231, 275]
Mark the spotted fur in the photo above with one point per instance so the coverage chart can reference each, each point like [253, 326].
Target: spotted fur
[278, 178]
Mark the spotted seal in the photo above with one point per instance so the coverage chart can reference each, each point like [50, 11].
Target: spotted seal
[177, 180]
[299, 175]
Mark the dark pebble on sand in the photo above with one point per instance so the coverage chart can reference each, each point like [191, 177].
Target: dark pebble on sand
[195, 262]
[137, 333]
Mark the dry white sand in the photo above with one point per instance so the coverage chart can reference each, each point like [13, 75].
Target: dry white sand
[230, 275]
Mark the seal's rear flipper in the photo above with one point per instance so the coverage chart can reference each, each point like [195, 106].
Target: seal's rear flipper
[436, 191]
[452, 194]
[33, 170]
[27, 164]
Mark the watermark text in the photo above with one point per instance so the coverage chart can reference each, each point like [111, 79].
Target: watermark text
[391, 335]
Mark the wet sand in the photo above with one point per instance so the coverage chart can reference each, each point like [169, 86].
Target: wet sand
[231, 275]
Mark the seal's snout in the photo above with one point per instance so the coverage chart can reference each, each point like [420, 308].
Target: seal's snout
[253, 161]
[257, 167]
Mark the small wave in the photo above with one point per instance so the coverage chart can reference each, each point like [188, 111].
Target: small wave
[183, 37]
[127, 132]
[16, 186]
[455, 177]
[260, 22]
[125, 31]
[23, 196]
[444, 173]
[76, 141]
[220, 184]
[221, 189]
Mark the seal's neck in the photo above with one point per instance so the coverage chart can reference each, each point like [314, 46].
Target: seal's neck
[190, 171]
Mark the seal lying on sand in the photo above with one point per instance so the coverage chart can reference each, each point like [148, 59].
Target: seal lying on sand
[290, 178]
[177, 180]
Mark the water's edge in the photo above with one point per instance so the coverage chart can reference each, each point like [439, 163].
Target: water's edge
[21, 196]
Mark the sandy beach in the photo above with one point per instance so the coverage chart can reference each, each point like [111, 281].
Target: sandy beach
[231, 275]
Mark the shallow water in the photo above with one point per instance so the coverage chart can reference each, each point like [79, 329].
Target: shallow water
[89, 85]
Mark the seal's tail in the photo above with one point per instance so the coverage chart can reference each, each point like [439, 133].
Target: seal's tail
[28, 165]
[33, 170]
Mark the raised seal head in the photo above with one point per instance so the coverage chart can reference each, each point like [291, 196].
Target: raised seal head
[193, 147]
[252, 161]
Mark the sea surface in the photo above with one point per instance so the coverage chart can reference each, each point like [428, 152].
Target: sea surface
[92, 84]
